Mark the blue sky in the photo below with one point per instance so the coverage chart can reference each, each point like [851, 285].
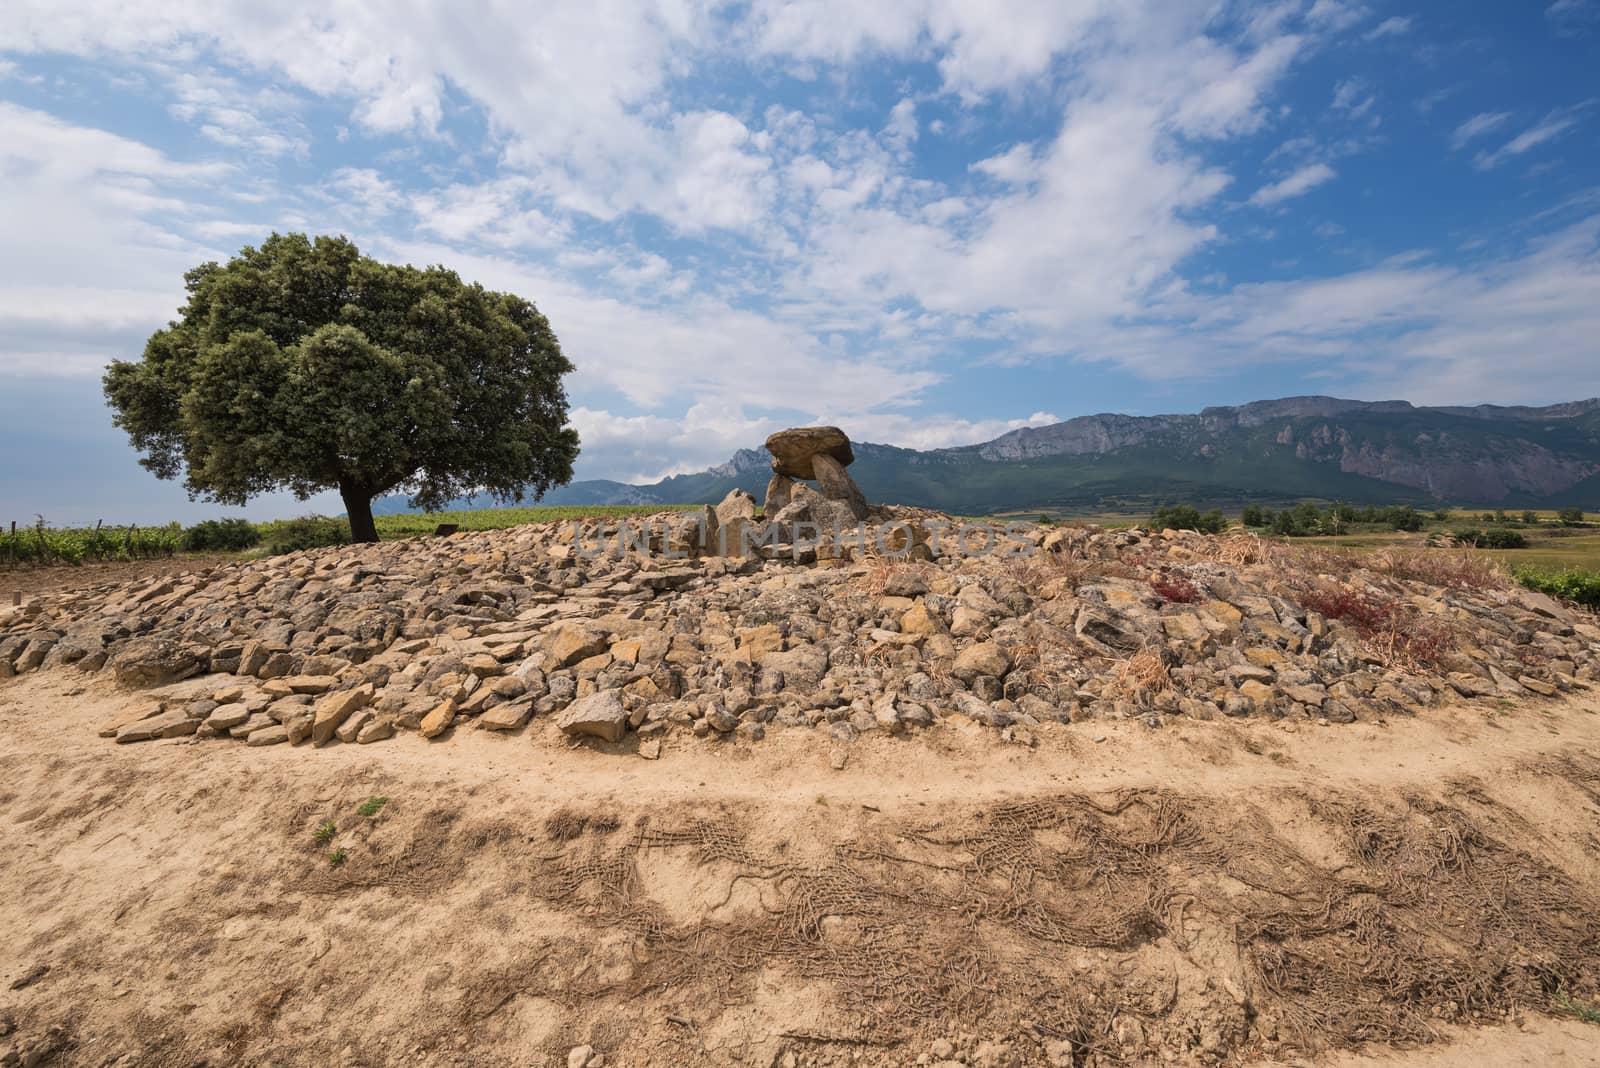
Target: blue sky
[928, 221]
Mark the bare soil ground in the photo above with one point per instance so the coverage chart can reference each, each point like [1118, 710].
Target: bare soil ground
[31, 581]
[1401, 893]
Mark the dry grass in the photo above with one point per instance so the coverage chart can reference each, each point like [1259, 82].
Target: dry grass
[1457, 569]
[1038, 570]
[880, 569]
[1309, 559]
[1143, 672]
[1237, 549]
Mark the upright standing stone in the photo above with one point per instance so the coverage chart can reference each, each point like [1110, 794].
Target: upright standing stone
[736, 505]
[780, 491]
[837, 485]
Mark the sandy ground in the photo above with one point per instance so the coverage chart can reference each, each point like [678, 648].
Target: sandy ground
[1386, 894]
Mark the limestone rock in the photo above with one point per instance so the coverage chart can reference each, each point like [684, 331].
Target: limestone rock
[736, 505]
[506, 717]
[438, 721]
[328, 713]
[146, 662]
[835, 485]
[172, 724]
[272, 734]
[600, 715]
[572, 642]
[780, 490]
[984, 658]
[352, 727]
[376, 730]
[793, 450]
[226, 717]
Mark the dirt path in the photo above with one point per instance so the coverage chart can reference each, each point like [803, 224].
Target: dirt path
[1208, 893]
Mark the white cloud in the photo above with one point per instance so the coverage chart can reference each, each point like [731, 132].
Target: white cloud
[1297, 184]
[1547, 129]
[901, 128]
[87, 247]
[1573, 18]
[1413, 328]
[1353, 97]
[700, 348]
[230, 116]
[1478, 125]
[1015, 166]
[498, 213]
[980, 48]
[1395, 26]
[363, 191]
[1336, 15]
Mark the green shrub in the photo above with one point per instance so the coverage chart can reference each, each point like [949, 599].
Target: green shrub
[1504, 539]
[307, 532]
[1575, 584]
[1187, 517]
[1570, 517]
[221, 535]
[1403, 518]
[1252, 516]
[1494, 538]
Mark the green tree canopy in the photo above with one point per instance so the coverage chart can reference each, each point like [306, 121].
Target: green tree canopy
[304, 365]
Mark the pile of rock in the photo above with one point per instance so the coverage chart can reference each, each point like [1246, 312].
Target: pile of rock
[1054, 625]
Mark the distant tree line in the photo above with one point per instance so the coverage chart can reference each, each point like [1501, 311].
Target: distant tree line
[1188, 517]
[1307, 520]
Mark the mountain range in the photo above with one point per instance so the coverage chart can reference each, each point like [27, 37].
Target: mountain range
[1270, 451]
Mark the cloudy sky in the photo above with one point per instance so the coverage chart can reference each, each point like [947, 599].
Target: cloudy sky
[928, 221]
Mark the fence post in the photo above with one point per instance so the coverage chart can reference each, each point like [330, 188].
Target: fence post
[12, 545]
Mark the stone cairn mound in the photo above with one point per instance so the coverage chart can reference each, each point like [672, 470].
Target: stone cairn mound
[1054, 625]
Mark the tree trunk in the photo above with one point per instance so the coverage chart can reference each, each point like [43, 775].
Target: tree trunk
[358, 506]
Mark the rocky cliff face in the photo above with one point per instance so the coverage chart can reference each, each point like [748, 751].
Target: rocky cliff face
[743, 462]
[1391, 441]
[1085, 436]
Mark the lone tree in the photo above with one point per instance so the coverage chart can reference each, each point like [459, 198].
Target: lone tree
[308, 366]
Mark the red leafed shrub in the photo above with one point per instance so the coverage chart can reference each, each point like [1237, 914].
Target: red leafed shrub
[1174, 588]
[1393, 629]
[1360, 609]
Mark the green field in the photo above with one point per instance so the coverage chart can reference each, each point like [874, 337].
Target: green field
[42, 544]
[1551, 547]
[409, 524]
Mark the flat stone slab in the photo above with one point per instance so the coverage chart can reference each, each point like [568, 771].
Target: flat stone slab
[600, 715]
[793, 449]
